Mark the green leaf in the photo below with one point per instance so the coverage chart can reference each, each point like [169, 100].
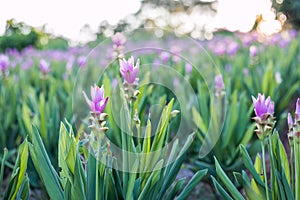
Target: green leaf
[22, 161]
[17, 185]
[151, 180]
[23, 192]
[281, 194]
[231, 121]
[43, 127]
[284, 160]
[249, 165]
[287, 189]
[91, 181]
[227, 182]
[176, 189]
[192, 184]
[44, 167]
[220, 189]
[197, 119]
[132, 177]
[248, 135]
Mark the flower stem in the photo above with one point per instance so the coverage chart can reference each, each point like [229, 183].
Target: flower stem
[292, 169]
[297, 170]
[97, 176]
[265, 169]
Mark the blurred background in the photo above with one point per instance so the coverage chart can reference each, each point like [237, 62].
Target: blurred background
[59, 24]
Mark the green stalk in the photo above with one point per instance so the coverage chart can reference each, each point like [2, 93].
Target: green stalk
[292, 169]
[97, 178]
[2, 167]
[272, 165]
[265, 169]
[97, 171]
[297, 168]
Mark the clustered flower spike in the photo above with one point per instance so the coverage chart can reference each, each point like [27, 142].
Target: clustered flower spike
[297, 112]
[4, 62]
[264, 111]
[44, 67]
[118, 39]
[294, 126]
[98, 103]
[219, 86]
[219, 83]
[81, 61]
[128, 70]
[263, 107]
[290, 121]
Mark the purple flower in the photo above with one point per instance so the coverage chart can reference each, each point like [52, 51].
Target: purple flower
[165, 56]
[27, 64]
[176, 83]
[128, 70]
[246, 72]
[297, 112]
[4, 62]
[69, 65]
[118, 39]
[219, 49]
[219, 83]
[228, 67]
[232, 48]
[44, 66]
[188, 68]
[253, 51]
[290, 121]
[81, 61]
[263, 107]
[98, 102]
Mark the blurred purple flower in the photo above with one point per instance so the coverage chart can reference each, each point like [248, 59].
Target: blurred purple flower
[4, 62]
[253, 51]
[114, 83]
[81, 61]
[27, 64]
[118, 39]
[70, 63]
[284, 42]
[297, 112]
[293, 33]
[219, 49]
[44, 66]
[176, 83]
[128, 70]
[156, 63]
[219, 83]
[290, 121]
[188, 68]
[165, 56]
[176, 51]
[228, 67]
[246, 72]
[98, 102]
[232, 48]
[263, 107]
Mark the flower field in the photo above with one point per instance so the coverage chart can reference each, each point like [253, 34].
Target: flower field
[141, 117]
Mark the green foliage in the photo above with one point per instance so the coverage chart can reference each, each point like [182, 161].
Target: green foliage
[74, 181]
[291, 10]
[18, 41]
[18, 185]
[280, 186]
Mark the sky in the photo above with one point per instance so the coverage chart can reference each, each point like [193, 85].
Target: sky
[67, 17]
